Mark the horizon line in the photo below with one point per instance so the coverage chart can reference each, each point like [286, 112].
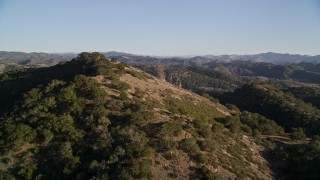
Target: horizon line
[137, 54]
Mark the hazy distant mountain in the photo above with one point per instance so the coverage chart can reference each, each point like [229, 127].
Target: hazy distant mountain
[115, 54]
[14, 60]
[43, 57]
[275, 58]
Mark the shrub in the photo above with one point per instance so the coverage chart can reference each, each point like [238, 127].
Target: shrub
[201, 112]
[121, 86]
[204, 173]
[45, 136]
[259, 122]
[170, 129]
[189, 145]
[246, 129]
[200, 158]
[207, 145]
[139, 93]
[123, 95]
[233, 123]
[164, 145]
[6, 175]
[142, 170]
[27, 172]
[256, 133]
[170, 155]
[297, 134]
[217, 127]
[138, 74]
[205, 131]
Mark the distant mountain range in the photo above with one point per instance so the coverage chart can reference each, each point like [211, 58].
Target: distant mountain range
[41, 57]
[275, 58]
[49, 59]
[270, 57]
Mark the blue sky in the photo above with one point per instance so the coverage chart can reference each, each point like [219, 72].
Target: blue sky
[161, 27]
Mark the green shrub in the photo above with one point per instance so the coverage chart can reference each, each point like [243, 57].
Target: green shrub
[45, 136]
[170, 129]
[170, 155]
[233, 123]
[259, 122]
[27, 172]
[200, 112]
[246, 129]
[217, 127]
[205, 131]
[173, 175]
[298, 134]
[142, 170]
[200, 158]
[137, 74]
[164, 145]
[4, 175]
[139, 93]
[123, 95]
[256, 133]
[207, 145]
[204, 173]
[119, 85]
[189, 145]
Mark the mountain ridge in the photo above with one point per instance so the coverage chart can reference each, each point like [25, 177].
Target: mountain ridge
[271, 57]
[100, 118]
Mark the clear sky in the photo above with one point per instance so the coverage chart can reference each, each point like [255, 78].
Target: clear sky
[161, 27]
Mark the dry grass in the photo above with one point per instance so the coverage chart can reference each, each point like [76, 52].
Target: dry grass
[221, 161]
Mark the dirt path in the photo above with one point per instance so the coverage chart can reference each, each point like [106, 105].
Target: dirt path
[285, 140]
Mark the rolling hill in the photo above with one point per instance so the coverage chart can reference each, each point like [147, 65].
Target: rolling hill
[95, 118]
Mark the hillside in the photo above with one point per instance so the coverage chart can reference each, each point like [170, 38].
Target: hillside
[307, 94]
[93, 118]
[216, 77]
[287, 110]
